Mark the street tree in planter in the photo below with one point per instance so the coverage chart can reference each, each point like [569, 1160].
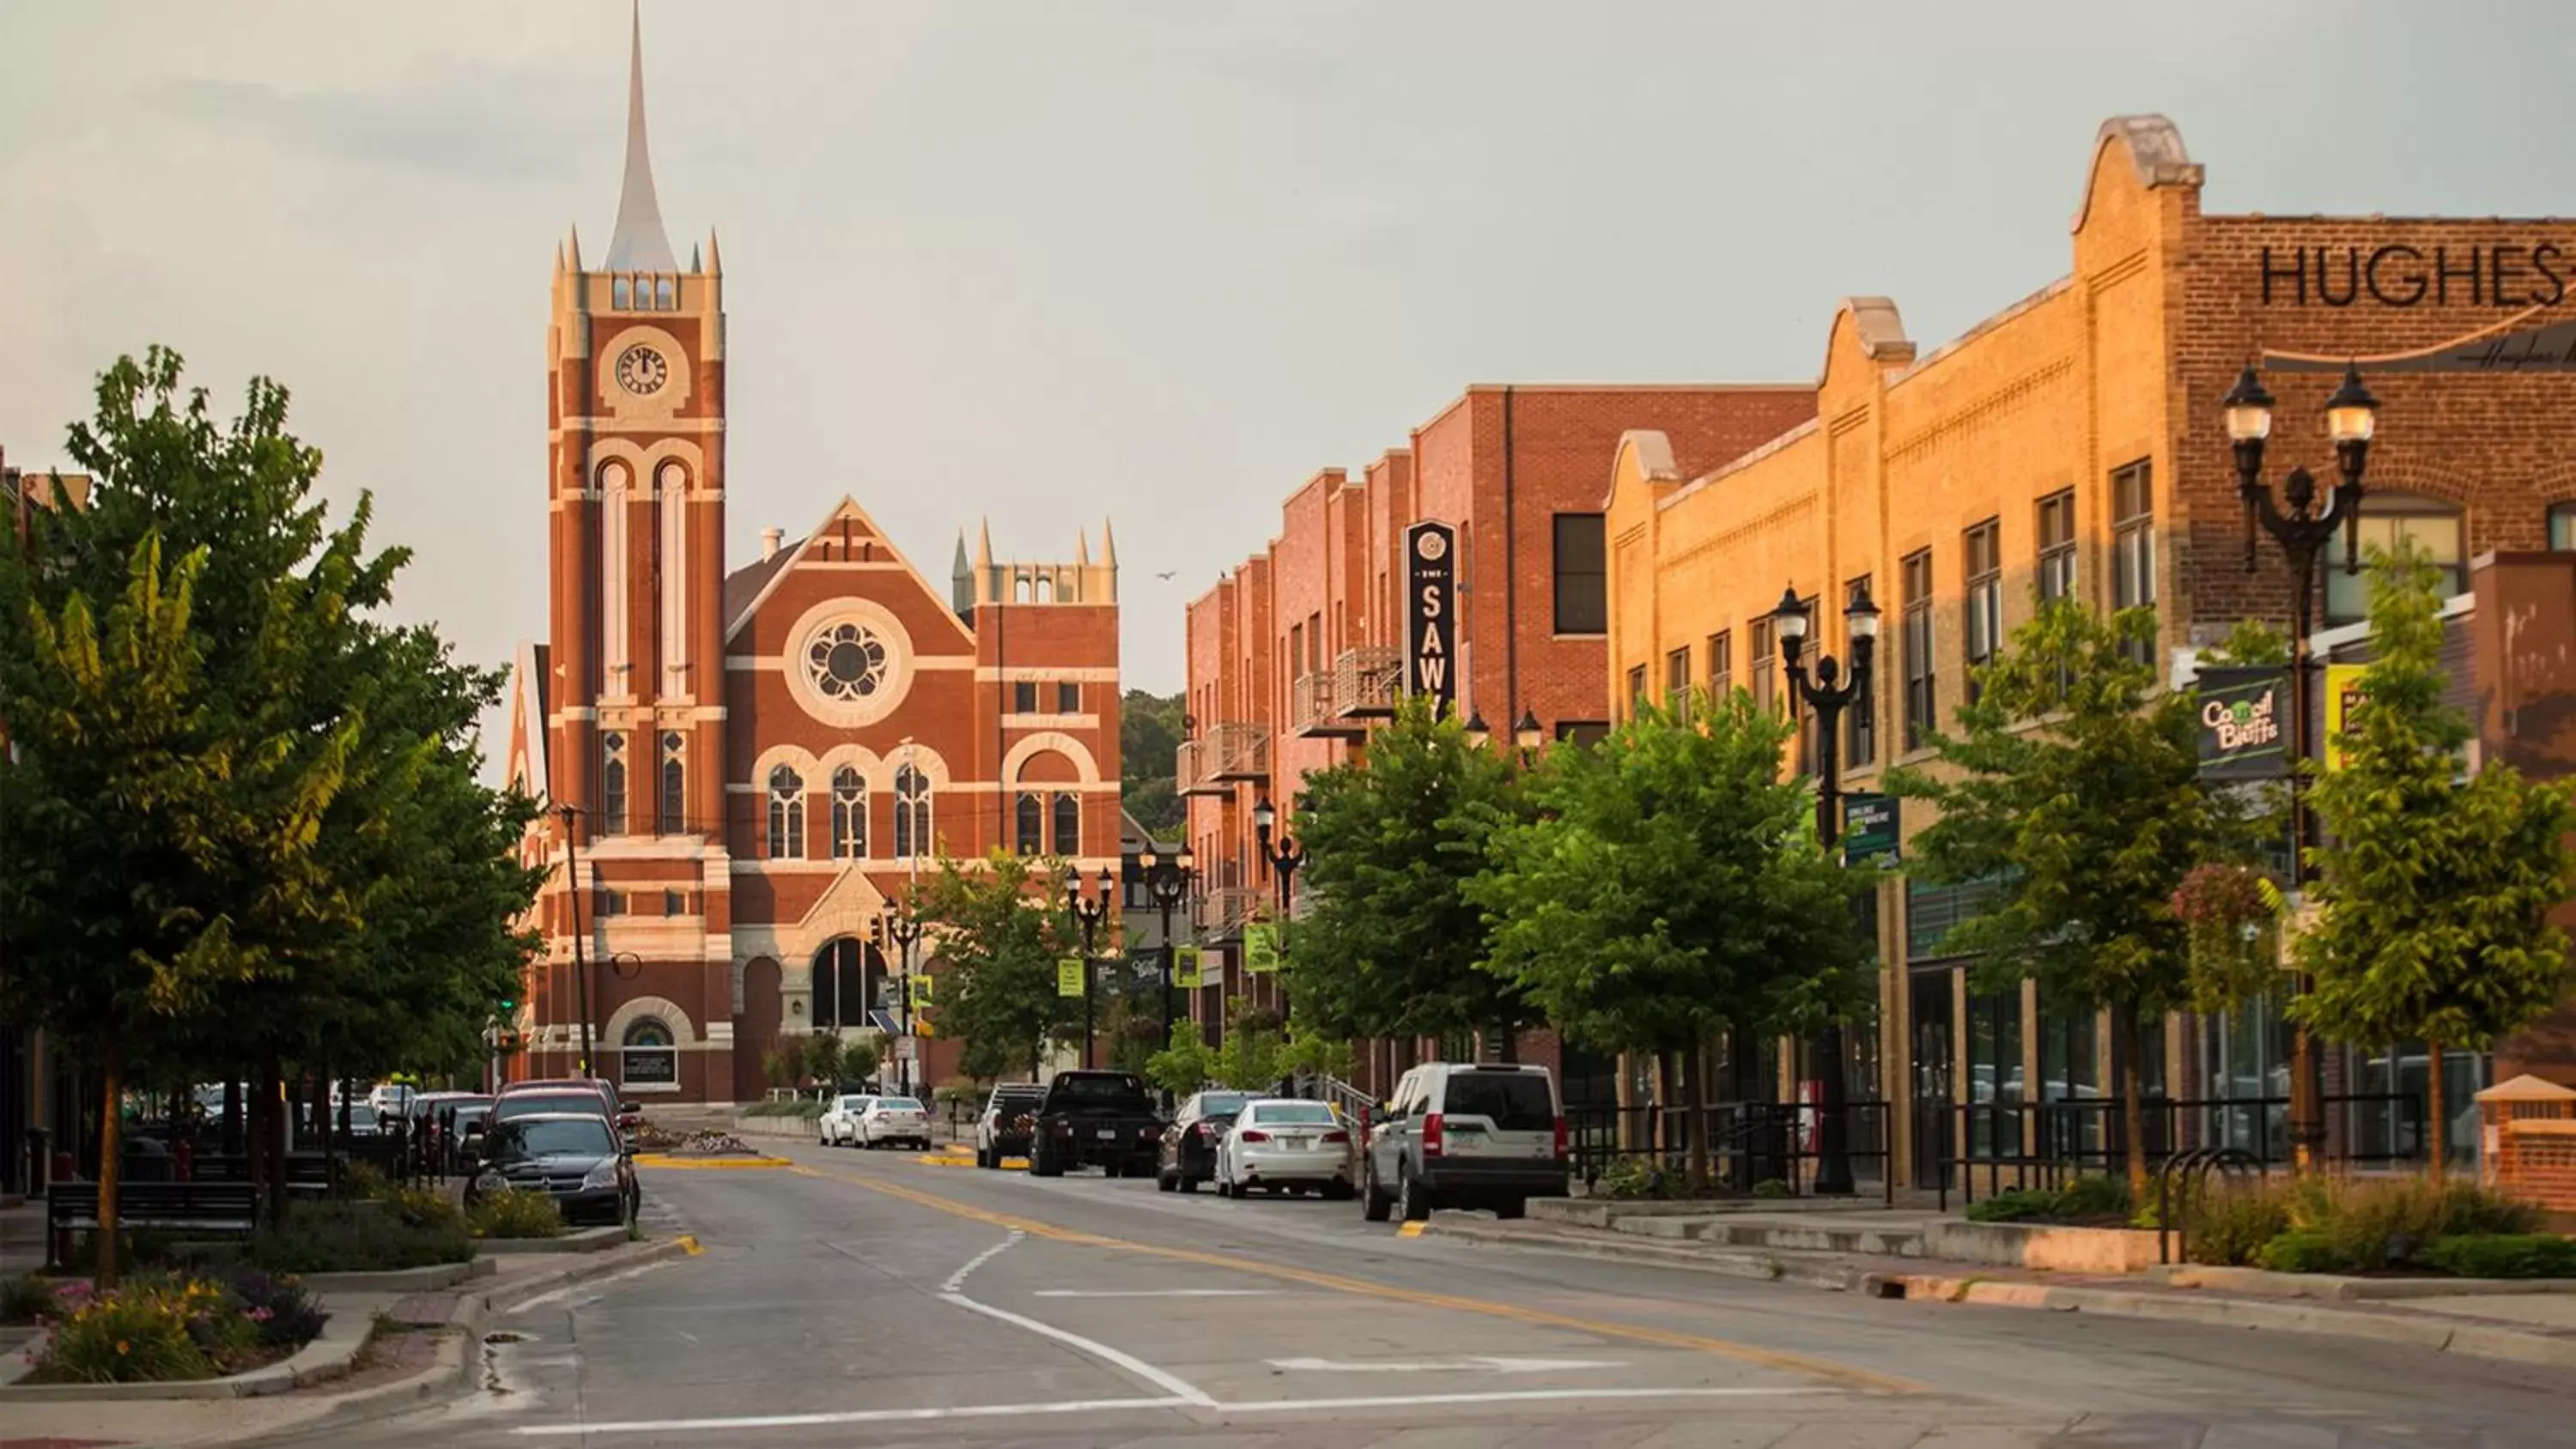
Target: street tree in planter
[1671, 885]
[2434, 887]
[1002, 928]
[1390, 944]
[2072, 786]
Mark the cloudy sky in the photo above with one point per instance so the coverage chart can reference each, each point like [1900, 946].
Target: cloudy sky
[1053, 262]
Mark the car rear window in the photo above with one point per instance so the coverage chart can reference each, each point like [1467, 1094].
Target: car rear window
[537, 1139]
[1222, 1104]
[1087, 1090]
[523, 1103]
[899, 1104]
[1516, 1101]
[1315, 1113]
[852, 1104]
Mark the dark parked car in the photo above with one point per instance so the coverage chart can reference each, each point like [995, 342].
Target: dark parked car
[1003, 1129]
[551, 1101]
[575, 1156]
[1188, 1155]
[1096, 1119]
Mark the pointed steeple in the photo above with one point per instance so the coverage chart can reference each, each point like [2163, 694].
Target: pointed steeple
[715, 257]
[638, 245]
[574, 255]
[1108, 545]
[984, 544]
[696, 264]
[962, 569]
[1082, 549]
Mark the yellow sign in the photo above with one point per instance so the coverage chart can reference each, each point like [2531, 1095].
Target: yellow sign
[2343, 707]
[1260, 947]
[1068, 977]
[1185, 968]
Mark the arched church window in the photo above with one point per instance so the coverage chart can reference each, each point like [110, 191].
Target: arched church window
[911, 814]
[648, 1055]
[665, 294]
[617, 293]
[1028, 833]
[611, 818]
[786, 814]
[1068, 824]
[849, 814]
[675, 783]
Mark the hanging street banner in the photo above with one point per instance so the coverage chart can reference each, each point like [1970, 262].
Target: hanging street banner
[920, 990]
[2244, 718]
[1260, 948]
[1431, 614]
[1870, 830]
[2344, 699]
[1068, 977]
[1185, 967]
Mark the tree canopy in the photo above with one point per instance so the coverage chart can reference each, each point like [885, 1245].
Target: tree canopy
[1000, 931]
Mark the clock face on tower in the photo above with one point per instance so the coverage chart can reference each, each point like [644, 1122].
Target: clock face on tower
[641, 370]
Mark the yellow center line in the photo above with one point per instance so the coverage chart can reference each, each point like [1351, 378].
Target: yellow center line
[1725, 1348]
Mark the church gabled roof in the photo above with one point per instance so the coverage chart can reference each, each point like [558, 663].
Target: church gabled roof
[747, 588]
[638, 244]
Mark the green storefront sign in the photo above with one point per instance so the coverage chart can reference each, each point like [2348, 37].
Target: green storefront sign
[2244, 714]
[1870, 829]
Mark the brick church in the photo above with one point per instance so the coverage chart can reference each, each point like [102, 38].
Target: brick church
[762, 758]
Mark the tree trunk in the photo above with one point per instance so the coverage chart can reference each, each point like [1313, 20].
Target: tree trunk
[1695, 1093]
[111, 1120]
[272, 1140]
[1507, 1047]
[2133, 1114]
[2437, 1156]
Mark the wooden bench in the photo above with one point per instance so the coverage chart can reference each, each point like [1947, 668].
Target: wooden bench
[210, 1207]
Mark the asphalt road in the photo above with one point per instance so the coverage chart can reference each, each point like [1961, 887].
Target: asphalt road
[875, 1300]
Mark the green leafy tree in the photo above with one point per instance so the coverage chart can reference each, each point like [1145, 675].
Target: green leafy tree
[1670, 886]
[1391, 943]
[860, 1058]
[1150, 728]
[1185, 1063]
[2434, 889]
[2072, 785]
[1001, 931]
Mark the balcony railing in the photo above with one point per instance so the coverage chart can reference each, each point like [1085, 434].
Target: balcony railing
[1310, 703]
[1367, 680]
[1224, 910]
[1225, 756]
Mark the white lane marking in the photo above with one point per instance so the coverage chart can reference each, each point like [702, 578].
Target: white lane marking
[853, 1416]
[1454, 1365]
[1505, 1396]
[1155, 1293]
[957, 1280]
[1172, 1384]
[558, 1294]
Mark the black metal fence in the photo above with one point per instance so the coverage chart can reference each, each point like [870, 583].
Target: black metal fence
[1749, 1143]
[2019, 1145]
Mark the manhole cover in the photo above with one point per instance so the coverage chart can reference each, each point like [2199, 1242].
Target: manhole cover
[504, 1336]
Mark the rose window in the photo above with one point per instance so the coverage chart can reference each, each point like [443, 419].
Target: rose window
[846, 662]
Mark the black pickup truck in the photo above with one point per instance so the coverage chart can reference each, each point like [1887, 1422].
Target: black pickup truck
[1096, 1119]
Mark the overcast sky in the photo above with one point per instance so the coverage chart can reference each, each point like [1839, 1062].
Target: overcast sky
[1053, 262]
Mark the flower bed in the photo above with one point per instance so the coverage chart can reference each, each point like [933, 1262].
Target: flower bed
[2400, 1226]
[515, 1212]
[358, 1237]
[171, 1328]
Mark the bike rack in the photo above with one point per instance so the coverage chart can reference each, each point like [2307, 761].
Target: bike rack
[2192, 1170]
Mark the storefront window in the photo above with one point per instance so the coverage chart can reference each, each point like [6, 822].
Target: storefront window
[2435, 527]
[1994, 1075]
[2245, 1055]
[2070, 1071]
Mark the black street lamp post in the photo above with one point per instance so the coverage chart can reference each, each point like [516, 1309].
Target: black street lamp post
[897, 930]
[2302, 532]
[580, 963]
[1285, 856]
[1829, 699]
[1089, 915]
[1167, 880]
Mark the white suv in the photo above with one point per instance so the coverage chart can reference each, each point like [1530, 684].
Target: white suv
[1459, 1135]
[839, 1124]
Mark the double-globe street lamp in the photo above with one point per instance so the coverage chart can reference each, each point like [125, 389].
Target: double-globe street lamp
[1167, 884]
[1789, 624]
[1089, 915]
[897, 930]
[1284, 857]
[1526, 734]
[2303, 532]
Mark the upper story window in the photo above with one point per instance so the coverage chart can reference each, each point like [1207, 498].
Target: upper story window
[1721, 667]
[2562, 527]
[1068, 698]
[1636, 690]
[675, 784]
[786, 814]
[611, 819]
[2057, 546]
[1582, 575]
[2436, 528]
[1677, 681]
[912, 837]
[1984, 565]
[666, 294]
[1766, 673]
[620, 293]
[849, 814]
[1029, 823]
[1024, 696]
[1914, 642]
[1068, 824]
[2133, 544]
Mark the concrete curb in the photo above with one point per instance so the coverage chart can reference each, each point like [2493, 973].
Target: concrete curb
[396, 1281]
[599, 1265]
[1760, 1267]
[580, 1240]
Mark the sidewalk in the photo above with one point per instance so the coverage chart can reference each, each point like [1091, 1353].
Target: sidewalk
[2521, 1324]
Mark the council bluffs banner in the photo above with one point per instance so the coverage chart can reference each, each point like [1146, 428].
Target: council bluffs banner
[2242, 715]
[1431, 614]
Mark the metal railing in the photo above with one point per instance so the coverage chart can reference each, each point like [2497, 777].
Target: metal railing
[2038, 1145]
[1224, 910]
[1310, 700]
[1366, 681]
[1237, 753]
[1749, 1143]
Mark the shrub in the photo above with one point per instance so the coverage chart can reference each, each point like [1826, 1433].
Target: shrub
[2018, 1205]
[2503, 1255]
[24, 1298]
[286, 1313]
[363, 1180]
[2093, 1197]
[2229, 1226]
[422, 1207]
[153, 1330]
[1774, 1187]
[335, 1237]
[2083, 1200]
[515, 1212]
[2302, 1252]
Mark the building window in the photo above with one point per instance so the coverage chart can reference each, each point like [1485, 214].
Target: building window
[2433, 525]
[1068, 699]
[675, 903]
[1024, 696]
[1985, 574]
[1766, 675]
[647, 1056]
[666, 295]
[1860, 718]
[786, 814]
[1068, 825]
[1914, 641]
[911, 814]
[1582, 575]
[1636, 690]
[1677, 683]
[1028, 834]
[1721, 667]
[2133, 545]
[611, 819]
[675, 784]
[849, 814]
[618, 293]
[2562, 527]
[2057, 546]
[1583, 733]
[611, 903]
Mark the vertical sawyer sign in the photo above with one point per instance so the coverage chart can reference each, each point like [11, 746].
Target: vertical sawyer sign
[1431, 614]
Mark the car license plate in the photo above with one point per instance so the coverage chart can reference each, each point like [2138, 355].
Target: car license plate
[1297, 1144]
[1109, 1134]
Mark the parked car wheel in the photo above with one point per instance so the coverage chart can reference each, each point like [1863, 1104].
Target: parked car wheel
[1412, 1200]
[1042, 1163]
[1512, 1208]
[1375, 1205]
[1167, 1181]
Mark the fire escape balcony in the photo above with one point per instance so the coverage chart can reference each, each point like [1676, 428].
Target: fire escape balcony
[1367, 681]
[1225, 756]
[1224, 911]
[1310, 705]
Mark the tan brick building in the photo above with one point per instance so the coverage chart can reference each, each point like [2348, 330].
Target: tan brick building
[1297, 652]
[2072, 443]
[763, 759]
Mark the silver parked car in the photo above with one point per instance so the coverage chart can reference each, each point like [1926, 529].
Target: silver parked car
[1281, 1144]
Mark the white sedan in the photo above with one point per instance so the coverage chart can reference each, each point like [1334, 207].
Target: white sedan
[839, 1124]
[894, 1120]
[1281, 1144]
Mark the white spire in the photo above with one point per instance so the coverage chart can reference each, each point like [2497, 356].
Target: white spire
[638, 244]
